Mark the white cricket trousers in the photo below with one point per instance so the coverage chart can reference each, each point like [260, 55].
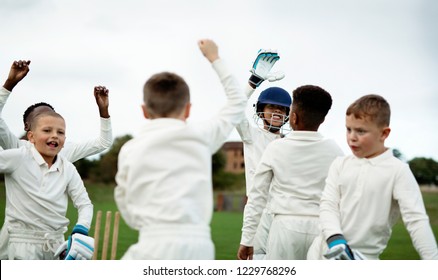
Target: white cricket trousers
[317, 249]
[172, 242]
[291, 236]
[26, 244]
[261, 236]
[4, 240]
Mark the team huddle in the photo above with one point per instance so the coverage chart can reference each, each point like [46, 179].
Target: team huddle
[305, 198]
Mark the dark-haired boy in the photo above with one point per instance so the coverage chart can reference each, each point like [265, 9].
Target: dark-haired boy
[292, 173]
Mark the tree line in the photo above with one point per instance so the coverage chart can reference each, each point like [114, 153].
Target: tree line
[104, 169]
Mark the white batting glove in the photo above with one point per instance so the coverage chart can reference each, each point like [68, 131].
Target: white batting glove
[343, 252]
[262, 66]
[339, 249]
[77, 247]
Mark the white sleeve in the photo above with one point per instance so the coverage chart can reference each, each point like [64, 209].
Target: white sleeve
[220, 127]
[257, 199]
[329, 213]
[243, 127]
[76, 151]
[121, 189]
[10, 160]
[408, 195]
[7, 139]
[81, 201]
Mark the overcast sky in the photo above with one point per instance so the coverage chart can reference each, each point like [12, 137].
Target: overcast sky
[350, 48]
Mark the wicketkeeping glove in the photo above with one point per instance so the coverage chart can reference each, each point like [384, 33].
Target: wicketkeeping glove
[262, 66]
[339, 249]
[79, 245]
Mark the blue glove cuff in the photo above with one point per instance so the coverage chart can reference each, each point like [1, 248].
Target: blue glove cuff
[80, 229]
[336, 240]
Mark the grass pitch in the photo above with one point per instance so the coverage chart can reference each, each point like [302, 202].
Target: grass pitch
[226, 226]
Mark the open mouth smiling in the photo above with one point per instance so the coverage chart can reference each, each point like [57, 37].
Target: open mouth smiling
[53, 144]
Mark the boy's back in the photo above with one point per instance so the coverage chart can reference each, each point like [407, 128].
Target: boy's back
[300, 171]
[291, 173]
[164, 184]
[168, 170]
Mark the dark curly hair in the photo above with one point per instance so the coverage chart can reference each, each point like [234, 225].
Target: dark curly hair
[32, 107]
[312, 103]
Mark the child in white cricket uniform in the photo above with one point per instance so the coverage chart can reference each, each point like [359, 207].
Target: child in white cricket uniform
[164, 185]
[71, 151]
[366, 192]
[292, 172]
[38, 184]
[271, 113]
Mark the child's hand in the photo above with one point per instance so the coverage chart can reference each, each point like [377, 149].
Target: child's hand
[245, 253]
[19, 70]
[102, 100]
[209, 49]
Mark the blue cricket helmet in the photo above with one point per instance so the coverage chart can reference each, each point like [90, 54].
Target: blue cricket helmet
[275, 96]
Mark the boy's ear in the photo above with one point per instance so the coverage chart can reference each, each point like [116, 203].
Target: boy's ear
[293, 118]
[30, 137]
[187, 110]
[145, 111]
[385, 133]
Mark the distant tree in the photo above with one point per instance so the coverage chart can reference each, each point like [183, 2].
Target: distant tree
[85, 167]
[425, 170]
[218, 161]
[398, 154]
[106, 167]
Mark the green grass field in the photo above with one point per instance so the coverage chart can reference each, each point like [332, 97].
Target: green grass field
[226, 226]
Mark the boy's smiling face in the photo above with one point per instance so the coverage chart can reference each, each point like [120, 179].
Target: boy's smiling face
[274, 114]
[364, 137]
[48, 136]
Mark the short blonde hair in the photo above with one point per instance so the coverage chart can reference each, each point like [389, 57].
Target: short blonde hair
[371, 106]
[38, 116]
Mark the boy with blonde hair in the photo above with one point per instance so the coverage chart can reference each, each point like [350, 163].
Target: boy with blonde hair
[38, 184]
[71, 151]
[164, 185]
[365, 192]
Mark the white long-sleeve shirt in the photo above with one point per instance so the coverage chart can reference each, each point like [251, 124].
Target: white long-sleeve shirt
[71, 151]
[37, 196]
[292, 171]
[164, 173]
[254, 141]
[363, 198]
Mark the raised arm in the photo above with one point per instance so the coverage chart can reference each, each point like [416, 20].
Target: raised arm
[102, 100]
[76, 151]
[260, 71]
[233, 112]
[18, 71]
[209, 49]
